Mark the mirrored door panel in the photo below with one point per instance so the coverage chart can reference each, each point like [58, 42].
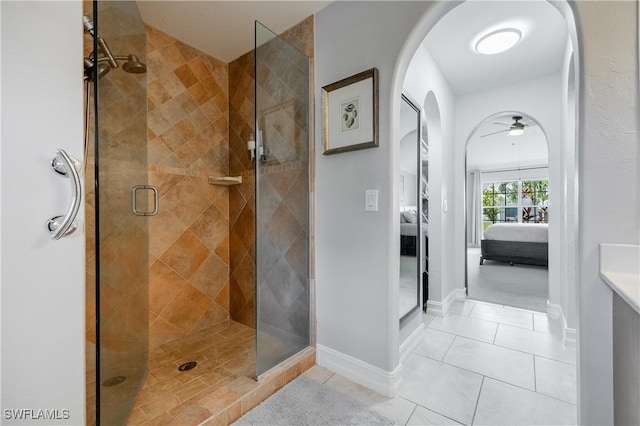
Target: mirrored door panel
[409, 181]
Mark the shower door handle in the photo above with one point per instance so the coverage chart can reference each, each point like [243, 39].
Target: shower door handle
[134, 200]
[64, 165]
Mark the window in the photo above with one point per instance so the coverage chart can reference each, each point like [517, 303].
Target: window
[515, 201]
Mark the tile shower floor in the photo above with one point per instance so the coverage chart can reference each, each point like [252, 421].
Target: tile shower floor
[482, 364]
[220, 388]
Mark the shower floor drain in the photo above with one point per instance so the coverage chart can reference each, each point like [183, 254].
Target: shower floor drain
[187, 366]
[114, 381]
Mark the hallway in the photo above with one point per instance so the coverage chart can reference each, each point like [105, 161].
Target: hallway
[482, 364]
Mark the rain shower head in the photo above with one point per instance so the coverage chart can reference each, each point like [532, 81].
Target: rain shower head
[134, 66]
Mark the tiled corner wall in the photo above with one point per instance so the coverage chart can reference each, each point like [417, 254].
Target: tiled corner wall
[241, 197]
[282, 176]
[188, 121]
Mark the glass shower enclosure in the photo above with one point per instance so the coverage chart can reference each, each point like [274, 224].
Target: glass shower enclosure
[282, 199]
[120, 248]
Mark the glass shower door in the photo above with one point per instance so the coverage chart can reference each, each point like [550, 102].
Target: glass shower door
[282, 199]
[121, 237]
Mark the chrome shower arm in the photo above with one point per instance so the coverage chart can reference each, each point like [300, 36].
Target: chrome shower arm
[102, 45]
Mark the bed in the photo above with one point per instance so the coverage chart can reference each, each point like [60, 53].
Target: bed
[523, 243]
[408, 231]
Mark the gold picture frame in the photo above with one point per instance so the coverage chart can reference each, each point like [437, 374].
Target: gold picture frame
[350, 113]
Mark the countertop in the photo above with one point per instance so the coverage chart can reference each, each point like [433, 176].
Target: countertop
[620, 268]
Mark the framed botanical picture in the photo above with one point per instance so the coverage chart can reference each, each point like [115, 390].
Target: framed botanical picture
[350, 113]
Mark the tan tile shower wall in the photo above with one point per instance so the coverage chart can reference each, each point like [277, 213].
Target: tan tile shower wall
[188, 120]
[242, 198]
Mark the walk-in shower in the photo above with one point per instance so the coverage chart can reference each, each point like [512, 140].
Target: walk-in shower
[209, 299]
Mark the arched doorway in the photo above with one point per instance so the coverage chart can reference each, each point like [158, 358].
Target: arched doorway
[462, 106]
[507, 191]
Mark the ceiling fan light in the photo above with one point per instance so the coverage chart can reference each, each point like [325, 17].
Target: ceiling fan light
[516, 131]
[498, 41]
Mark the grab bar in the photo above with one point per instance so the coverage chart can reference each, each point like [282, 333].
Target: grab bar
[64, 165]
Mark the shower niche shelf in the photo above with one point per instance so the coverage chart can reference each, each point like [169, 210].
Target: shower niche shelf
[225, 180]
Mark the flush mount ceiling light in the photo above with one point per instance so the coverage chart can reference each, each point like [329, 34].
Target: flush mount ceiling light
[498, 41]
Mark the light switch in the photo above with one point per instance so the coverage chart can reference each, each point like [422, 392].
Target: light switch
[371, 200]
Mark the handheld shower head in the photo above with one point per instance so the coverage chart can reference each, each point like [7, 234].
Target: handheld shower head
[102, 45]
[88, 24]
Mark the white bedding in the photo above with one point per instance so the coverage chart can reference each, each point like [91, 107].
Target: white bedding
[410, 229]
[531, 232]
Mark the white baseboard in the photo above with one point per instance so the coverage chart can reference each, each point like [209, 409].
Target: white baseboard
[372, 377]
[570, 337]
[407, 347]
[554, 311]
[569, 334]
[440, 309]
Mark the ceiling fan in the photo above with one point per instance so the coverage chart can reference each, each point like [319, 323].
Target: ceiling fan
[515, 129]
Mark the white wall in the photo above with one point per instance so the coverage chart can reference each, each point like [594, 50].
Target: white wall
[357, 284]
[42, 280]
[608, 183]
[568, 299]
[423, 77]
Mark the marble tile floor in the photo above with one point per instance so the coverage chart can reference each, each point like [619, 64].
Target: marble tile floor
[220, 388]
[482, 364]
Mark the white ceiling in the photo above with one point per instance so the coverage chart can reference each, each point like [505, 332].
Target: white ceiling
[502, 151]
[224, 29]
[539, 52]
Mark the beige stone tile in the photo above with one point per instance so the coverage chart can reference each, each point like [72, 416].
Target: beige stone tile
[318, 374]
[172, 139]
[189, 389]
[160, 420]
[159, 405]
[164, 285]
[186, 255]
[160, 332]
[186, 76]
[259, 394]
[137, 417]
[186, 129]
[233, 412]
[188, 414]
[157, 38]
[219, 400]
[164, 229]
[187, 308]
[172, 57]
[199, 94]
[199, 68]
